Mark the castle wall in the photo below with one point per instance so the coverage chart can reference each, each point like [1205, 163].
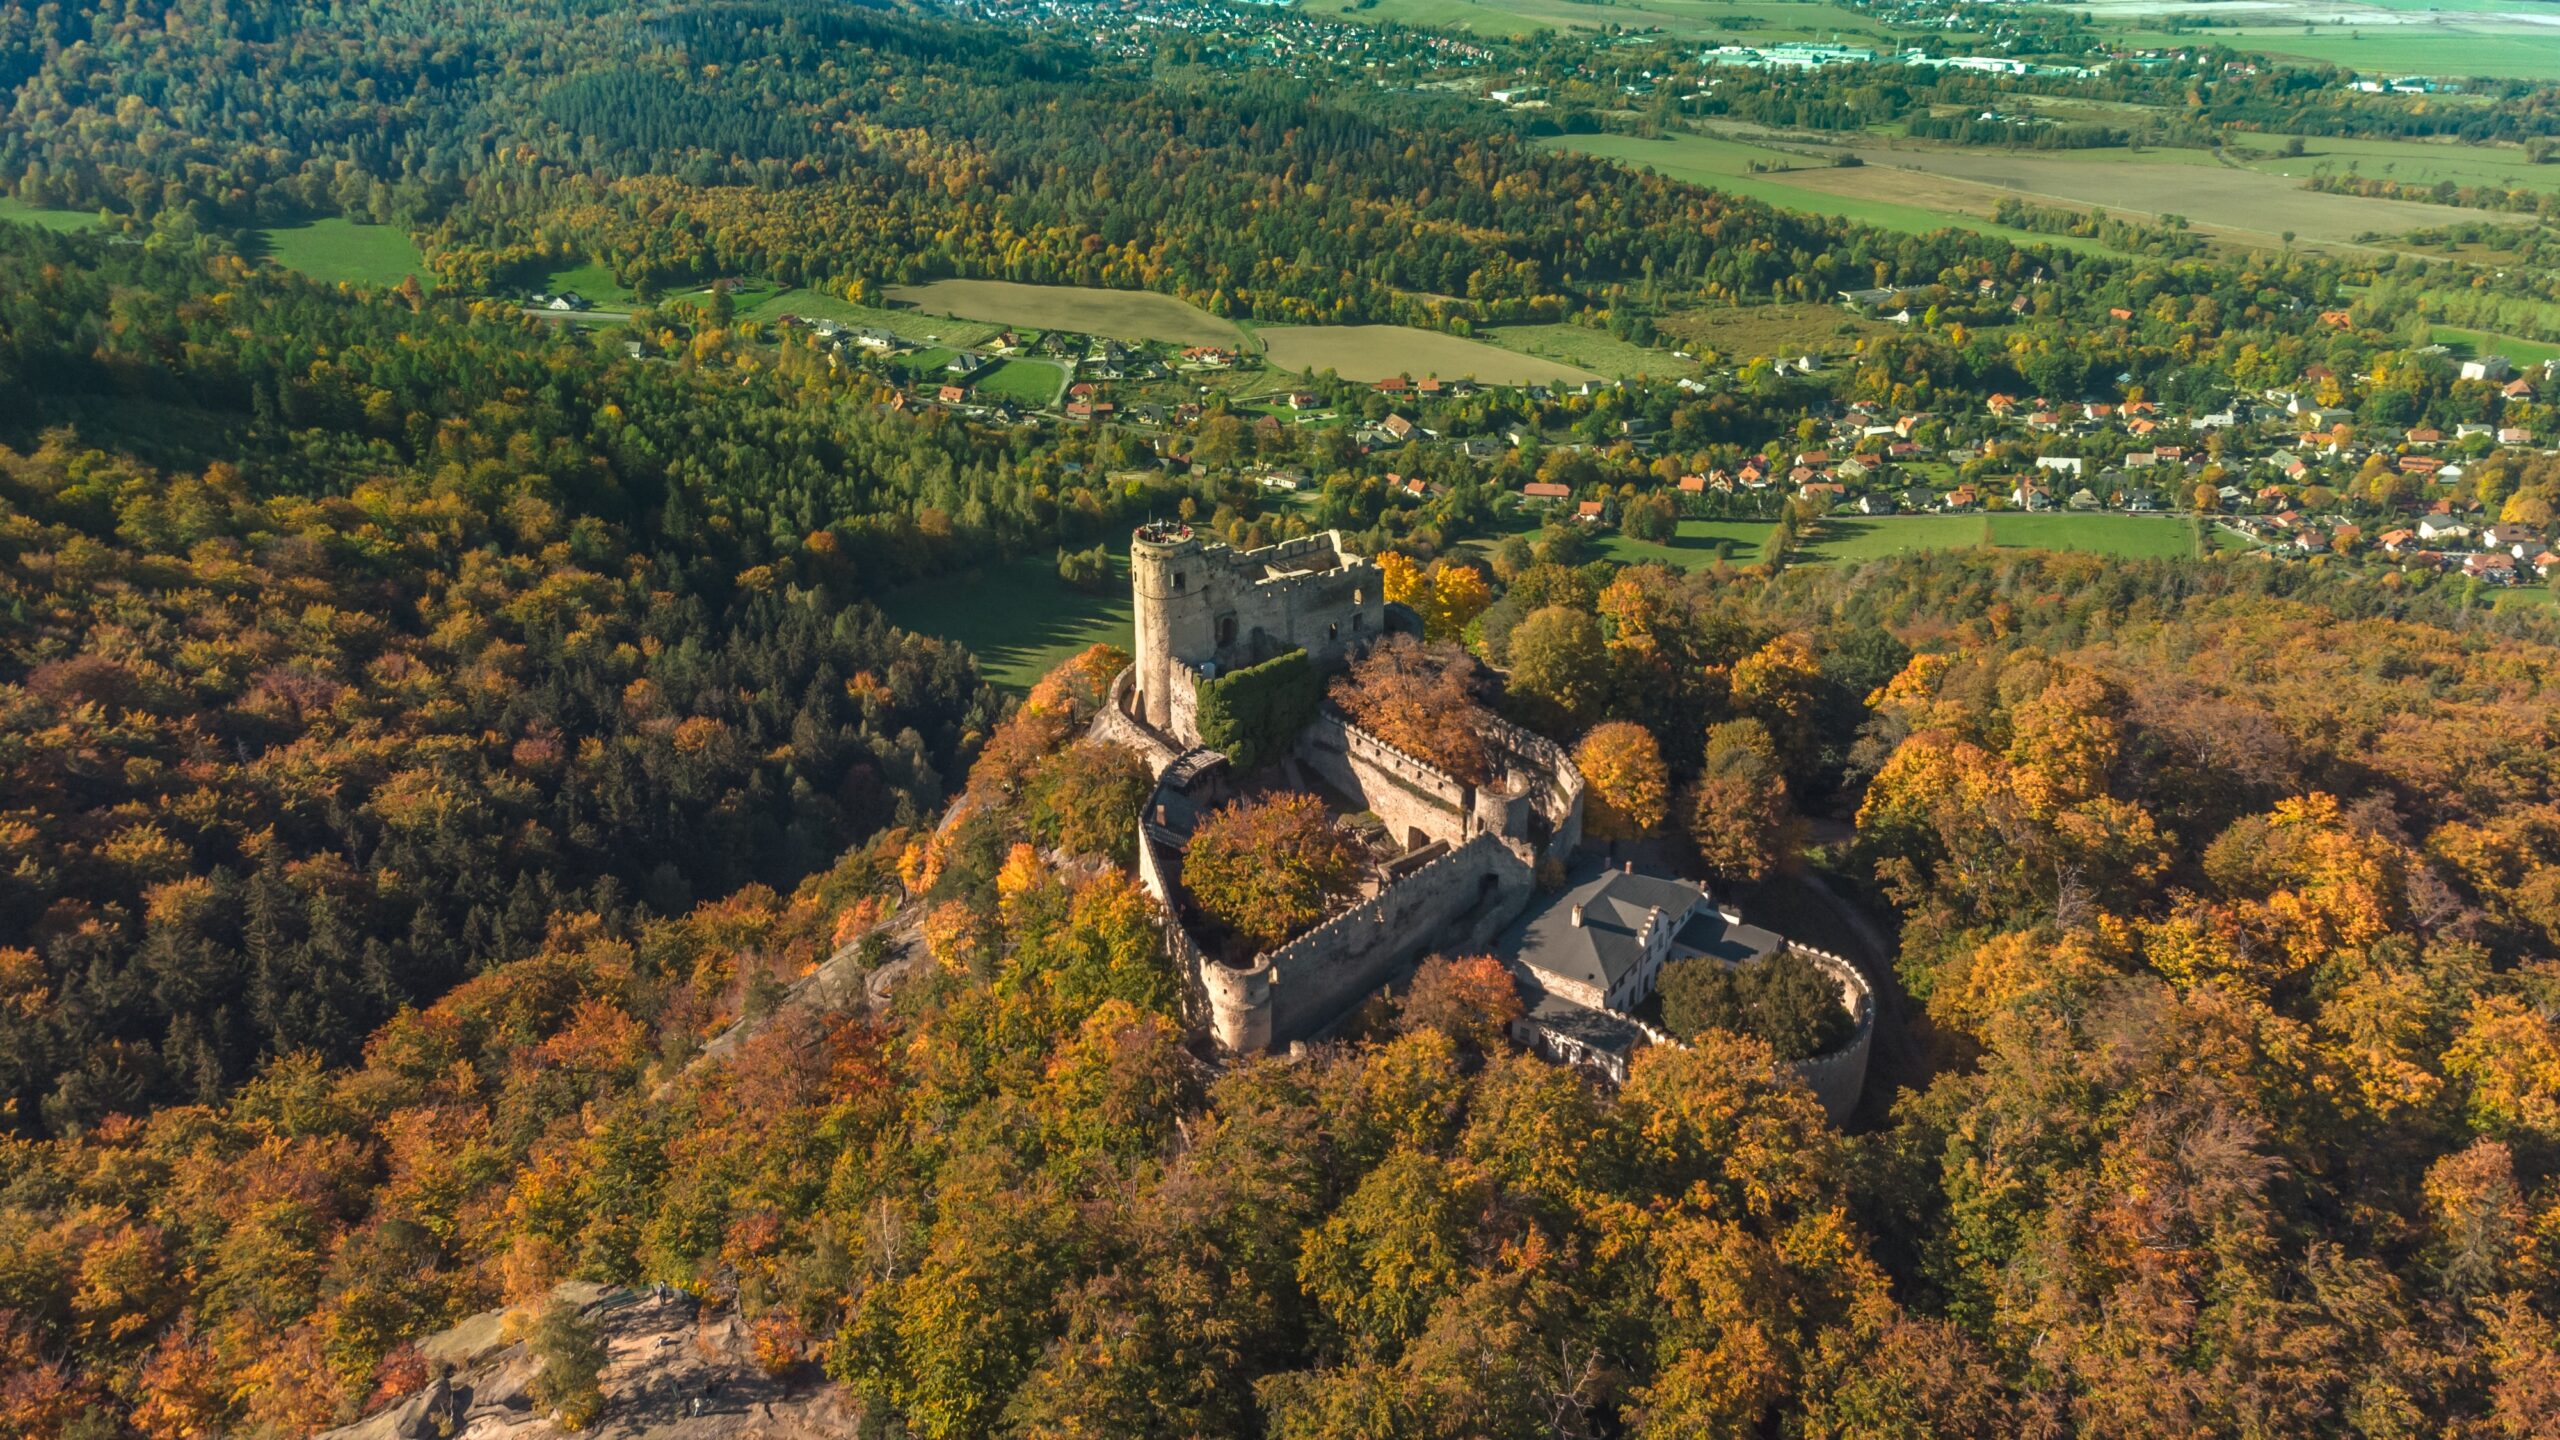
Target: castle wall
[1456, 902]
[1535, 768]
[1407, 793]
[1839, 1078]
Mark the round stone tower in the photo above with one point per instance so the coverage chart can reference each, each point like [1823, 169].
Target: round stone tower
[1239, 1006]
[1171, 584]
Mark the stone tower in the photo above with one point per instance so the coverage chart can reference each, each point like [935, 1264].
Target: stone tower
[1171, 580]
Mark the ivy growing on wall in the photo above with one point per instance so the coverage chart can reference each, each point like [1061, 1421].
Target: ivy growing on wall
[1253, 715]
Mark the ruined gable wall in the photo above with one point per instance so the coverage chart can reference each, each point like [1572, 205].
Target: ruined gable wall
[1407, 793]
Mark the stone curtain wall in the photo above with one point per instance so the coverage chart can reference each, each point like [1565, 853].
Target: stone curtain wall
[1445, 906]
[1537, 765]
[1405, 792]
[1837, 1079]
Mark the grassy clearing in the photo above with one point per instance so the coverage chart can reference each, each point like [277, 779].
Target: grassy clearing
[36, 215]
[1699, 543]
[1377, 352]
[1035, 383]
[341, 251]
[2482, 342]
[593, 281]
[1016, 616]
[908, 324]
[1722, 164]
[1120, 314]
[1753, 332]
[2409, 162]
[1702, 543]
[1594, 350]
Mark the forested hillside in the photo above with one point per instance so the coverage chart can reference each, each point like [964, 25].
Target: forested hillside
[845, 147]
[2219, 898]
[433, 739]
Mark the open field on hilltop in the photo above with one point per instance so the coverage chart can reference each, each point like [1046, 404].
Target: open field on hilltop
[1034, 383]
[2504, 56]
[336, 250]
[2240, 200]
[1595, 350]
[1762, 21]
[26, 214]
[1016, 616]
[906, 324]
[1379, 352]
[1119, 314]
[1751, 332]
[1724, 164]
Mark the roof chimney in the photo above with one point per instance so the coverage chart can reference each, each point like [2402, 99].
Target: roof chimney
[1577, 917]
[1630, 867]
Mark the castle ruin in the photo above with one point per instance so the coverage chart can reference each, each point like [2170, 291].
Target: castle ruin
[1468, 855]
[1469, 852]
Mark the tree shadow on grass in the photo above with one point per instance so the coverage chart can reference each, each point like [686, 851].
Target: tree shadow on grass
[1016, 616]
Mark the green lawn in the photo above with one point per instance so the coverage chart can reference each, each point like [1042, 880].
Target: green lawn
[2130, 536]
[1698, 544]
[1017, 616]
[1594, 350]
[1858, 537]
[26, 214]
[2482, 342]
[1024, 382]
[593, 281]
[335, 250]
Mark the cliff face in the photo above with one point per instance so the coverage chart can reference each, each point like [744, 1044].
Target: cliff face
[679, 1370]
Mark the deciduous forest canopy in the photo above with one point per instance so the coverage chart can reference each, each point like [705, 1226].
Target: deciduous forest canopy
[432, 740]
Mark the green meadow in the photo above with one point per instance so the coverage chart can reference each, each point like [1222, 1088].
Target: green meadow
[1034, 383]
[1851, 537]
[1016, 616]
[336, 251]
[2482, 342]
[37, 215]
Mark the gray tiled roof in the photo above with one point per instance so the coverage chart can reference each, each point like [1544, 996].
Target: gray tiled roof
[1709, 933]
[1609, 942]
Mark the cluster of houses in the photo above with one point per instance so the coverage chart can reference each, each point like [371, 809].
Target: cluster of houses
[2444, 540]
[2281, 469]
